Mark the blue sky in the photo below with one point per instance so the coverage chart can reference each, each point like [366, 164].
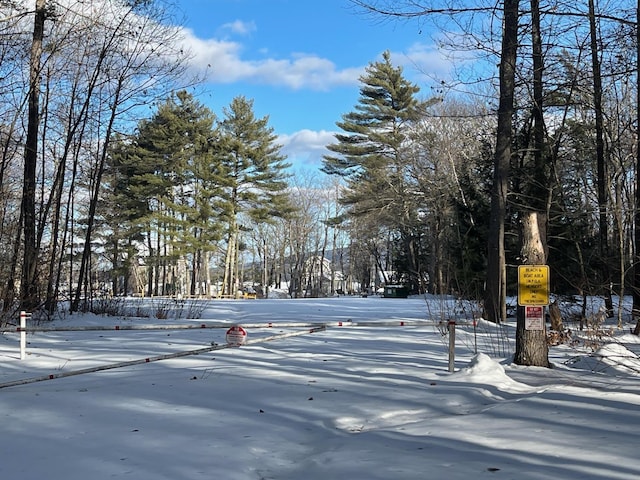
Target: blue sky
[299, 61]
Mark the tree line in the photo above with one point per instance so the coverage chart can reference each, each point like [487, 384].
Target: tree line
[447, 192]
[564, 184]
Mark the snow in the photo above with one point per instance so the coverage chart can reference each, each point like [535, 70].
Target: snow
[371, 399]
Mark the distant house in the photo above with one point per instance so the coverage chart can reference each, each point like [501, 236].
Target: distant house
[319, 279]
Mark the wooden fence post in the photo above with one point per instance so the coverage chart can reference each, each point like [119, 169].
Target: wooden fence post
[452, 345]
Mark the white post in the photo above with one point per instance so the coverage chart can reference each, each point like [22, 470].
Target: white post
[23, 335]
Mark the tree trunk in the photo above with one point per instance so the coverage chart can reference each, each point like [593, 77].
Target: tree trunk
[85, 264]
[29, 288]
[229, 262]
[207, 272]
[603, 179]
[194, 274]
[265, 278]
[636, 219]
[150, 262]
[531, 345]
[495, 308]
[556, 317]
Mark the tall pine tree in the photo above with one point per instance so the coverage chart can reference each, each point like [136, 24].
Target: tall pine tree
[253, 176]
[167, 175]
[373, 155]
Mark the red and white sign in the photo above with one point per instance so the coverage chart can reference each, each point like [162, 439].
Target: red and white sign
[236, 336]
[534, 318]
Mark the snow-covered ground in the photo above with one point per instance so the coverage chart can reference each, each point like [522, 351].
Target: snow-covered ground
[371, 399]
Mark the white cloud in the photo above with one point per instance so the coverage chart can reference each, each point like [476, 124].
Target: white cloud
[424, 61]
[239, 27]
[221, 62]
[306, 146]
[441, 67]
[429, 59]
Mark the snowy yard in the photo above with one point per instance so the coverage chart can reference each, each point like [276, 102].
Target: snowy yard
[359, 402]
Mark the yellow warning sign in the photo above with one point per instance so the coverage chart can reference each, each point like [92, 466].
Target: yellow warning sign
[533, 285]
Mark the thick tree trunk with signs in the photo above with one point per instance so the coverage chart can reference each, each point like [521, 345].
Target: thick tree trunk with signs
[531, 345]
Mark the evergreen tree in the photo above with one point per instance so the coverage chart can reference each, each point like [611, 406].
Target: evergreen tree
[374, 156]
[168, 178]
[468, 244]
[121, 212]
[252, 175]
